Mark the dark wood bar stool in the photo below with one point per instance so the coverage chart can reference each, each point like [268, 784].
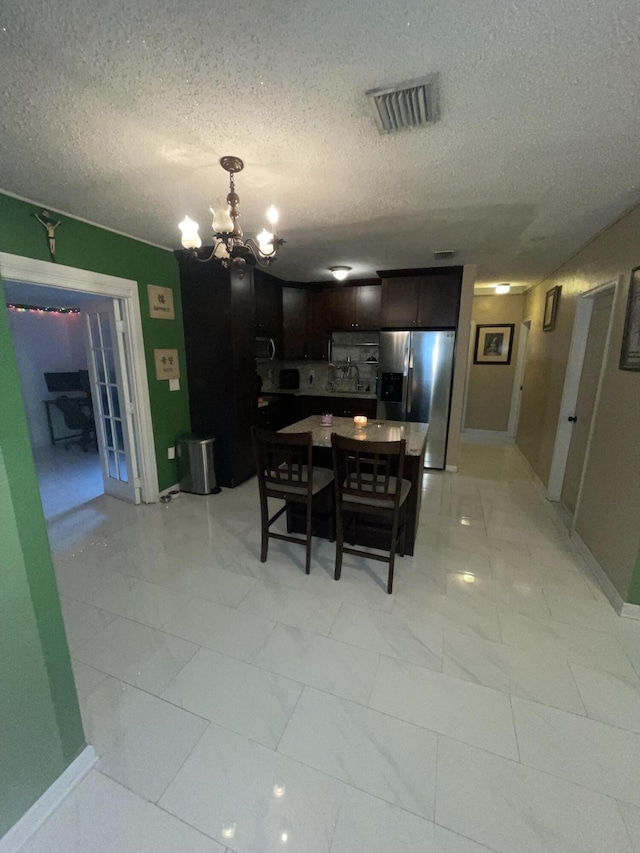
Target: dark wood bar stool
[285, 471]
[368, 482]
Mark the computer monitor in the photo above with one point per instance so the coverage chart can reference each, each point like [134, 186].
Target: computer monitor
[60, 383]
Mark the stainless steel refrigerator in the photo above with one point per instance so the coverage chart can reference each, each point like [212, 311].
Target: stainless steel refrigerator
[415, 371]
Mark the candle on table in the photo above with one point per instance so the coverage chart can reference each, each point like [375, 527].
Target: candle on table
[360, 421]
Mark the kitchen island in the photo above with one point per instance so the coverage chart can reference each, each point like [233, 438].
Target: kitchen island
[415, 436]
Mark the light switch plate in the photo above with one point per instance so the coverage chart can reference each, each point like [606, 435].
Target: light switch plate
[171, 453]
[174, 385]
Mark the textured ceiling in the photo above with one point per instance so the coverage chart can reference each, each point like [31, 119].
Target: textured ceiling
[118, 111]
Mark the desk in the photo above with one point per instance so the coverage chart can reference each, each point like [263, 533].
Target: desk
[416, 437]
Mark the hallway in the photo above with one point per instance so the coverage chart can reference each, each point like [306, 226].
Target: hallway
[492, 703]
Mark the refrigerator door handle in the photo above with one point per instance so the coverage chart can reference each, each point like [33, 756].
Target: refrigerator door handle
[410, 381]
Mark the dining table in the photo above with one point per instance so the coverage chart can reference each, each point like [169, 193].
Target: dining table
[415, 436]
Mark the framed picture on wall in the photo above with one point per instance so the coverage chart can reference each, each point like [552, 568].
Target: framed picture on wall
[494, 344]
[630, 352]
[551, 308]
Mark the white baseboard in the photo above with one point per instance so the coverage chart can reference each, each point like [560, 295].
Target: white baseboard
[622, 608]
[486, 436]
[539, 486]
[629, 611]
[32, 820]
[453, 469]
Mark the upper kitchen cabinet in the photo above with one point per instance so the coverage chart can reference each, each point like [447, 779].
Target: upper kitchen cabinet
[439, 300]
[318, 319]
[368, 304]
[267, 292]
[295, 308]
[352, 307]
[310, 315]
[339, 308]
[399, 309]
[429, 301]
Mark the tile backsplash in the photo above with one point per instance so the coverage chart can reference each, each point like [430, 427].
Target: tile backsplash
[355, 362]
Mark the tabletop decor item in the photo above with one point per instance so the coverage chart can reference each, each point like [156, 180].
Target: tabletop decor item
[360, 421]
[494, 344]
[630, 352]
[326, 420]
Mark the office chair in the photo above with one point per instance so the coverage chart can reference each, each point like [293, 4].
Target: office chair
[78, 415]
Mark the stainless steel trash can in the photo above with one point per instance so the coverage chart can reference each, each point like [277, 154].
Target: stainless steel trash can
[196, 467]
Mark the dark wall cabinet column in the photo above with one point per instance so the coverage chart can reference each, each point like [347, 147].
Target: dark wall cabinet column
[219, 330]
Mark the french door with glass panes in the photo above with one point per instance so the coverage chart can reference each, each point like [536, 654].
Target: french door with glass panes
[112, 402]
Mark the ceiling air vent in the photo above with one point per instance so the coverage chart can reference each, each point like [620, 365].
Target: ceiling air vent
[445, 255]
[413, 103]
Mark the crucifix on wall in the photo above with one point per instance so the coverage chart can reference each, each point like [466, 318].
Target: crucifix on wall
[51, 225]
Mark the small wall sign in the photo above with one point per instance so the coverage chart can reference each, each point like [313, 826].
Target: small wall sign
[167, 364]
[160, 302]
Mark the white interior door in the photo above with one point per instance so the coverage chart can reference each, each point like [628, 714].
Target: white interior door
[112, 404]
[586, 401]
[518, 381]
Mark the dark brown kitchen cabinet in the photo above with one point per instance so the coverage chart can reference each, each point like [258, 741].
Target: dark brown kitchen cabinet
[439, 301]
[352, 307]
[399, 307]
[368, 303]
[340, 308]
[295, 307]
[318, 325]
[267, 294]
[430, 300]
[219, 331]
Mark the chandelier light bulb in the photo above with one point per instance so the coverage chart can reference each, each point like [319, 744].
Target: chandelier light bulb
[503, 288]
[190, 237]
[340, 273]
[222, 223]
[273, 215]
[265, 242]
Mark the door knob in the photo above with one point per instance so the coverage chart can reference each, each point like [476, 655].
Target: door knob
[572, 420]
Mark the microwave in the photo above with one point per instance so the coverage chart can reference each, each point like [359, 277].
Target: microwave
[265, 349]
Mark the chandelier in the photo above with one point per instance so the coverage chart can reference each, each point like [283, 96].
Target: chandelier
[230, 246]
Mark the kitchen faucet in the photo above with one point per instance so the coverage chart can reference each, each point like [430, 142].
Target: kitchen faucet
[346, 371]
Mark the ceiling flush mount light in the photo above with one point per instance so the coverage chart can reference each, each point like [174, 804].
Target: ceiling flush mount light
[340, 273]
[502, 288]
[230, 246]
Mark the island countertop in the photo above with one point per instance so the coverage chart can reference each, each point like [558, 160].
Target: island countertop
[375, 430]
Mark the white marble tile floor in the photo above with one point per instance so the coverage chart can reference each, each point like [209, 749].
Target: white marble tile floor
[490, 705]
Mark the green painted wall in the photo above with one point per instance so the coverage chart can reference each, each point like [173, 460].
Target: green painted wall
[633, 596]
[41, 727]
[91, 248]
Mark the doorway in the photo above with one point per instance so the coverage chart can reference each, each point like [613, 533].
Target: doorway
[518, 379]
[117, 366]
[583, 379]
